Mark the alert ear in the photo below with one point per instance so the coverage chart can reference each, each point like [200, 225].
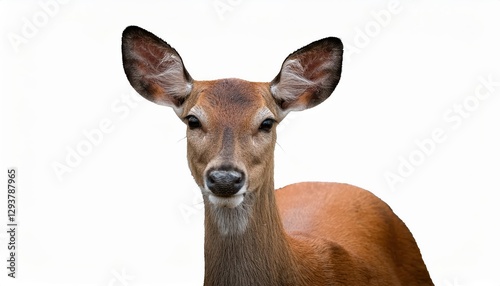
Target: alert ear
[308, 76]
[154, 69]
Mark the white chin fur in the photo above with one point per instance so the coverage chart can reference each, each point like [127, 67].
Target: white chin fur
[226, 202]
[231, 214]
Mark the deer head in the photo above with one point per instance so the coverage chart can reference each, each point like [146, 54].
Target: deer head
[231, 123]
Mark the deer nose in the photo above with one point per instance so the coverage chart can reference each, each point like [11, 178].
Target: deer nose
[224, 182]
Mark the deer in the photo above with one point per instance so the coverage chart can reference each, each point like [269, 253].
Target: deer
[309, 233]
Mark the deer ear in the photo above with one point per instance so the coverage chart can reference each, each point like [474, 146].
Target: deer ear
[308, 76]
[154, 69]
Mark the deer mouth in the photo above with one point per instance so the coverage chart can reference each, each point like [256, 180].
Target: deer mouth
[227, 201]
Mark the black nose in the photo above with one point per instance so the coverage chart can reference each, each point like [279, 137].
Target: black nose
[225, 182]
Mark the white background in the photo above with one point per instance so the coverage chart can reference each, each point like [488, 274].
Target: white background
[128, 212]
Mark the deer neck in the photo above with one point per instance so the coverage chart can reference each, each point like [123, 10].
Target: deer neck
[247, 245]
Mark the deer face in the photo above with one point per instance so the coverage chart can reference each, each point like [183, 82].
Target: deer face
[231, 123]
[230, 138]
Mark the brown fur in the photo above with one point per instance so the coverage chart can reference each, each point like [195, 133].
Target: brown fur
[304, 234]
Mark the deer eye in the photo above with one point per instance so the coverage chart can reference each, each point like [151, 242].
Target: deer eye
[193, 122]
[266, 125]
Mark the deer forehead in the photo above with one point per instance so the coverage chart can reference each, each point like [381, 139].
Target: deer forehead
[232, 101]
